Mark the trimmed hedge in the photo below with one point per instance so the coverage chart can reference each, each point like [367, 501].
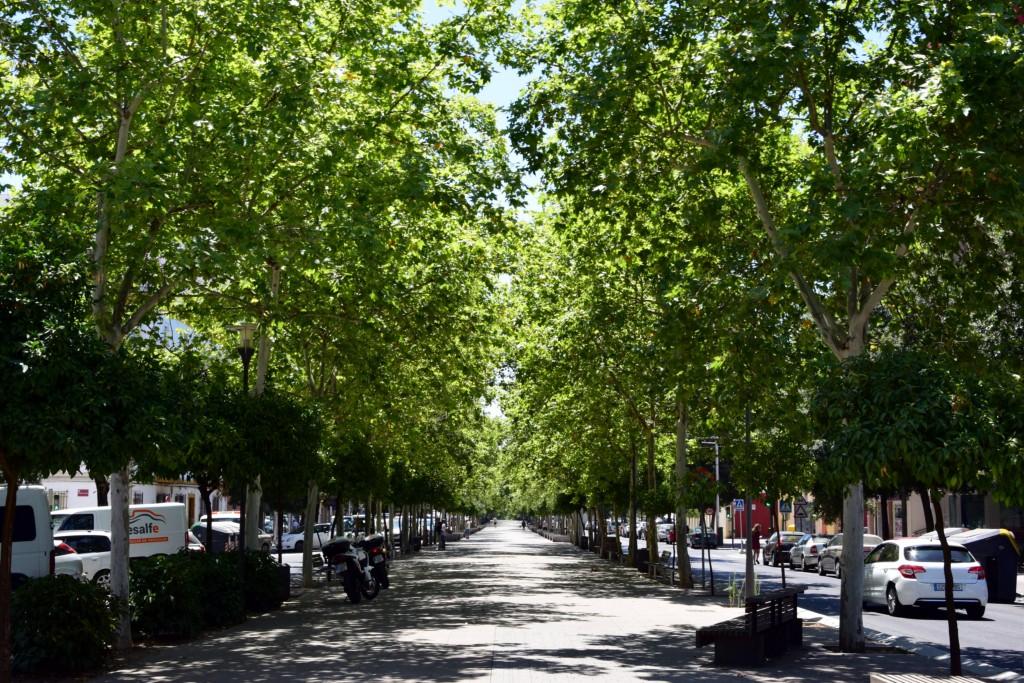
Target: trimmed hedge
[61, 625]
[189, 592]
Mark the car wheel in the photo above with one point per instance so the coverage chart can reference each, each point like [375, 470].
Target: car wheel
[792, 564]
[975, 611]
[821, 567]
[775, 559]
[892, 602]
[265, 548]
[803, 564]
[839, 570]
[298, 546]
[102, 579]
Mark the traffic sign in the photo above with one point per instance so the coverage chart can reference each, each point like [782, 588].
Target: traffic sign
[801, 509]
[709, 512]
[737, 505]
[785, 506]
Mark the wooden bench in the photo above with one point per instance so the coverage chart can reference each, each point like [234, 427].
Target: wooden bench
[664, 567]
[768, 628]
[918, 678]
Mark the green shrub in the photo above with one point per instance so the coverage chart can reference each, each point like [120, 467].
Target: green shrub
[223, 601]
[185, 594]
[262, 582]
[164, 599]
[61, 625]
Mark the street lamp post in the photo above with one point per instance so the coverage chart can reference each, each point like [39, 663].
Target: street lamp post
[245, 349]
[712, 442]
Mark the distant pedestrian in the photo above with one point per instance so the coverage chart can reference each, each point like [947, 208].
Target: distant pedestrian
[755, 541]
[439, 530]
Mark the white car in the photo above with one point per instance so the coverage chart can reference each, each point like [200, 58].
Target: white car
[93, 547]
[296, 539]
[909, 572]
[66, 561]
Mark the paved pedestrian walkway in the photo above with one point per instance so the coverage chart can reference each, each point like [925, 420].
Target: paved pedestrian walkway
[505, 605]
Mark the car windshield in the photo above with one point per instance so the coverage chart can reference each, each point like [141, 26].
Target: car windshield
[933, 553]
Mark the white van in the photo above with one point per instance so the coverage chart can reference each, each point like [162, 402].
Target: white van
[32, 555]
[157, 529]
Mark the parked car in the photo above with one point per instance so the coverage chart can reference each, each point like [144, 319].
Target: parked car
[93, 548]
[66, 560]
[805, 552]
[829, 561]
[296, 539]
[776, 548]
[194, 543]
[224, 536]
[234, 517]
[703, 538]
[909, 572]
[663, 530]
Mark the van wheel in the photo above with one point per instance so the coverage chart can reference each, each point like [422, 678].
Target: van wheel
[102, 579]
[298, 546]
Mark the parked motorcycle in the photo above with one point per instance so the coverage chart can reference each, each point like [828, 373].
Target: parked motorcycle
[360, 562]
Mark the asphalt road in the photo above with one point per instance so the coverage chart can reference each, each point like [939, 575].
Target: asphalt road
[995, 640]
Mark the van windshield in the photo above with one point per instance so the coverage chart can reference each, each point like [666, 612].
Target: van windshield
[80, 521]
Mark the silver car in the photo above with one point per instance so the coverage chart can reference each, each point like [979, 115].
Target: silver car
[804, 555]
[909, 572]
[831, 556]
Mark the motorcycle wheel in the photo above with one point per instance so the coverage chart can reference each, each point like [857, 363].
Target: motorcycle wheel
[371, 591]
[385, 582]
[352, 589]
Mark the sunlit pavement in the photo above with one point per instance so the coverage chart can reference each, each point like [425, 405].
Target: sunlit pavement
[503, 605]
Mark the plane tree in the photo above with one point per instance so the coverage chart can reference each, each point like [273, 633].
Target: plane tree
[898, 414]
[859, 134]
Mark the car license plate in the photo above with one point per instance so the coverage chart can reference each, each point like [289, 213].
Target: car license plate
[942, 587]
[378, 558]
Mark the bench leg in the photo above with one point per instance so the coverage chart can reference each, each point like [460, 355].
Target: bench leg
[740, 651]
[796, 633]
[776, 641]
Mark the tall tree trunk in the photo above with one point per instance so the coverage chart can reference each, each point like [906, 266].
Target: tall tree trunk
[652, 487]
[7, 541]
[851, 593]
[955, 667]
[632, 499]
[119, 555]
[886, 530]
[929, 518]
[682, 556]
[102, 491]
[312, 500]
[254, 496]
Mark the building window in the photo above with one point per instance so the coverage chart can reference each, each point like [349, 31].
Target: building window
[137, 498]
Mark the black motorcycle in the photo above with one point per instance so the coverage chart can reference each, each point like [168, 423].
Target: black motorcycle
[361, 564]
[377, 557]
